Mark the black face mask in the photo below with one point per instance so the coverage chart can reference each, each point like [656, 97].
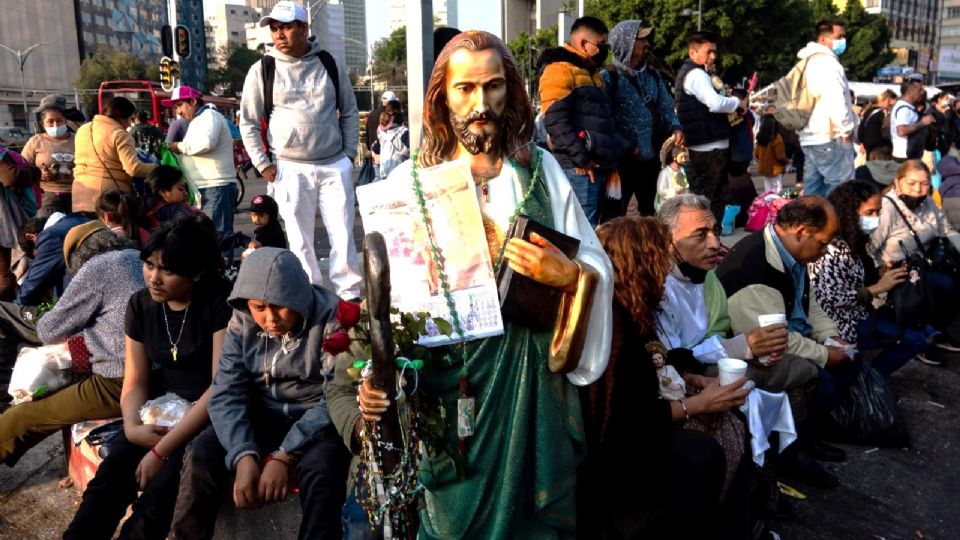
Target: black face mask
[601, 56]
[912, 202]
[694, 274]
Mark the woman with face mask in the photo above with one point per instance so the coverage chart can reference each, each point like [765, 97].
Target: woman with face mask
[910, 223]
[848, 285]
[51, 151]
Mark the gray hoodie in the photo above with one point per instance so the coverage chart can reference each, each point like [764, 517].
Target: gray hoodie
[294, 390]
[304, 125]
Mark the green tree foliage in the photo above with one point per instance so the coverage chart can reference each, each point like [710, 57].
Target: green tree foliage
[111, 65]
[868, 40]
[526, 49]
[390, 58]
[231, 72]
[756, 35]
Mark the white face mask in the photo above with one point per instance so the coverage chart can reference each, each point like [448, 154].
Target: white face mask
[868, 224]
[56, 131]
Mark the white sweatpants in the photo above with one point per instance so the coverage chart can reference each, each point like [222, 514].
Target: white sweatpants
[300, 190]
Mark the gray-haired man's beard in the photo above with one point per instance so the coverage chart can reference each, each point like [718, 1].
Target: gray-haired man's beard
[476, 143]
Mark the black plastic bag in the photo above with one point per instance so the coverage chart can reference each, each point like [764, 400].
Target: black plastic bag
[368, 172]
[869, 414]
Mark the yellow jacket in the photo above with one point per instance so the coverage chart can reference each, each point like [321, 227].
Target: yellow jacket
[105, 159]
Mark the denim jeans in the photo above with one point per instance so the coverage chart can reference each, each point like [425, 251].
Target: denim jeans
[826, 166]
[219, 203]
[588, 193]
[874, 333]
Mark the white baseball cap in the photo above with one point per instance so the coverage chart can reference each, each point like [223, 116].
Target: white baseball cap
[284, 12]
[389, 96]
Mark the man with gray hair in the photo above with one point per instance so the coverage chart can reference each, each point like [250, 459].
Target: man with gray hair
[694, 315]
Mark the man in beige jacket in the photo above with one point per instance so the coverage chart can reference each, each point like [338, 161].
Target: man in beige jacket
[766, 273]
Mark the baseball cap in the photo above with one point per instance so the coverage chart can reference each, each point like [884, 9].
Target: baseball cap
[389, 96]
[284, 12]
[181, 93]
[52, 100]
[264, 204]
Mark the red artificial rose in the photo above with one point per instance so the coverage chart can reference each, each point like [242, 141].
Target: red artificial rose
[348, 313]
[336, 342]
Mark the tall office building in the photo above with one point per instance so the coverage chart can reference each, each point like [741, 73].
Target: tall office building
[224, 27]
[948, 65]
[355, 35]
[444, 13]
[134, 25]
[193, 69]
[50, 68]
[915, 26]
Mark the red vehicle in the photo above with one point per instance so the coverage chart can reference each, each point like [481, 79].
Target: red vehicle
[147, 95]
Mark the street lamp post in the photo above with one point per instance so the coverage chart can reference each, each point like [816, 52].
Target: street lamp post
[699, 13]
[21, 60]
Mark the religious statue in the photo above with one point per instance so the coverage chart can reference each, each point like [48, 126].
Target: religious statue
[514, 424]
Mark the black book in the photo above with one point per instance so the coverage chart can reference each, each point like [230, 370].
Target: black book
[523, 300]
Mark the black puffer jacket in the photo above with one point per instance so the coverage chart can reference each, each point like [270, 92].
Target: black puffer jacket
[576, 111]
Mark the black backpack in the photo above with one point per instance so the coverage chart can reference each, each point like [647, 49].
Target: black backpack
[268, 70]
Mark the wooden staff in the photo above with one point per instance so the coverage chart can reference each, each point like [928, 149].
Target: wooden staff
[376, 275]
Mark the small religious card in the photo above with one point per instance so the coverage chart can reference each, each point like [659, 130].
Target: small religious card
[465, 417]
[390, 207]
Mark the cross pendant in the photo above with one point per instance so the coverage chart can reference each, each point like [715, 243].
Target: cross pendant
[173, 352]
[486, 192]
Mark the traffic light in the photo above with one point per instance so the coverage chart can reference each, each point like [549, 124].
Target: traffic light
[169, 74]
[166, 40]
[183, 41]
[175, 73]
[166, 81]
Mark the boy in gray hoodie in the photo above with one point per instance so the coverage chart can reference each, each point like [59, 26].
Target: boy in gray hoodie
[312, 131]
[268, 410]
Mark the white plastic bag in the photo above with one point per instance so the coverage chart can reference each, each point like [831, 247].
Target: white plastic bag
[166, 410]
[39, 371]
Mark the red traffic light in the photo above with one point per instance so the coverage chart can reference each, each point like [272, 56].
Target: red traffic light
[183, 41]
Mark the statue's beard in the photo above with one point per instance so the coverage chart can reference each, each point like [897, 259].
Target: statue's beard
[476, 143]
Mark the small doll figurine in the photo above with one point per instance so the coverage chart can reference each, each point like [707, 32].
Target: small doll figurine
[672, 386]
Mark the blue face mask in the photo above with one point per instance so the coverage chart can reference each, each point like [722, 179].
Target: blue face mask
[839, 46]
[56, 131]
[868, 224]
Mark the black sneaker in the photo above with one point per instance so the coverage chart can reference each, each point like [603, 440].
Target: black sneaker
[799, 465]
[822, 451]
[929, 361]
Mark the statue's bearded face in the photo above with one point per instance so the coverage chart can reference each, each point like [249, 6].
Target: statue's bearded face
[477, 97]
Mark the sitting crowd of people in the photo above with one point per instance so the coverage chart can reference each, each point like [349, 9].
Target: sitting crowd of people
[649, 443]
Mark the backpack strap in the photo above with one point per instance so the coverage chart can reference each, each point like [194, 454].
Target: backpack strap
[268, 70]
[330, 65]
[916, 237]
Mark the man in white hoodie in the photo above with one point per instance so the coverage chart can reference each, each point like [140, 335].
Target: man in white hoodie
[827, 139]
[313, 131]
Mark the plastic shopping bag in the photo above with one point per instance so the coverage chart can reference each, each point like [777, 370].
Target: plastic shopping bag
[869, 413]
[166, 410]
[39, 372]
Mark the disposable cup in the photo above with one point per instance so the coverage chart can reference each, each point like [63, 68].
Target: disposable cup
[773, 318]
[731, 369]
[767, 320]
